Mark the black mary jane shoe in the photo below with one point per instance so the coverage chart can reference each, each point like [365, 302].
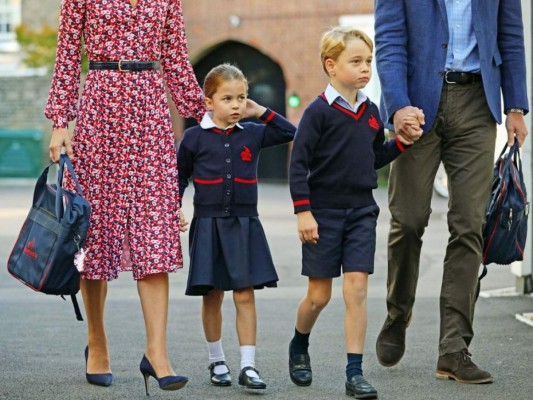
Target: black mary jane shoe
[219, 379]
[250, 382]
[359, 388]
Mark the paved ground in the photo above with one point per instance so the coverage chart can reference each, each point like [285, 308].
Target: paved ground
[41, 343]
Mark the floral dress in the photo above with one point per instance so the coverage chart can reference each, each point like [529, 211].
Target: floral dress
[123, 140]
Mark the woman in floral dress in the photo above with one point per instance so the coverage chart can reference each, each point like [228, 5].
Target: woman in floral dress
[124, 155]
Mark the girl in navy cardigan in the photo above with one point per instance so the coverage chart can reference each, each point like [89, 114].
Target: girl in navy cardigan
[227, 246]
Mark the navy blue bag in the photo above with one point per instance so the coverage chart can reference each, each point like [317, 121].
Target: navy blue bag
[505, 232]
[52, 235]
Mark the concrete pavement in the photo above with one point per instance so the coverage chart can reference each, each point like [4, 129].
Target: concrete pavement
[41, 343]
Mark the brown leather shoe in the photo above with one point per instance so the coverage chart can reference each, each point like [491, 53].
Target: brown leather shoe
[390, 344]
[459, 367]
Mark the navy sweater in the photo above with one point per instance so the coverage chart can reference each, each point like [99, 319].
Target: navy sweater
[223, 164]
[335, 156]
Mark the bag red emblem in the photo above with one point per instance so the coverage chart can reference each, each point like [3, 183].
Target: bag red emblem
[28, 250]
[246, 154]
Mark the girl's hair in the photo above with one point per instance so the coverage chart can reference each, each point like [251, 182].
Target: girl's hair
[334, 41]
[220, 74]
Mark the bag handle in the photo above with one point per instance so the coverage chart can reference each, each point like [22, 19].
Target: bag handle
[64, 160]
[41, 182]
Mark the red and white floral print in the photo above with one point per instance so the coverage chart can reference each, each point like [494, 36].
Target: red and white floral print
[123, 140]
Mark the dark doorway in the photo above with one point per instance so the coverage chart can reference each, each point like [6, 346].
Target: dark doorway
[267, 87]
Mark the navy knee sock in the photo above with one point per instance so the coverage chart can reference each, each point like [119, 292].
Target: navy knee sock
[299, 343]
[354, 366]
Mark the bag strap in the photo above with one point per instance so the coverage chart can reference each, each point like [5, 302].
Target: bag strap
[64, 160]
[41, 182]
[77, 310]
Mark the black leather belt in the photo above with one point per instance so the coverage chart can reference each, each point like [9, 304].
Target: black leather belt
[461, 78]
[124, 65]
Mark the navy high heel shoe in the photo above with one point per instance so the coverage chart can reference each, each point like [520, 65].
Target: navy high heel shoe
[171, 382]
[97, 379]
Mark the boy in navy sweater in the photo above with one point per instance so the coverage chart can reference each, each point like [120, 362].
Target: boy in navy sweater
[338, 146]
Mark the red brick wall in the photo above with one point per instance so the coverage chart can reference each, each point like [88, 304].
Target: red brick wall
[288, 31]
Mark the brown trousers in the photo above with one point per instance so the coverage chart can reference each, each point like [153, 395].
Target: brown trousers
[463, 138]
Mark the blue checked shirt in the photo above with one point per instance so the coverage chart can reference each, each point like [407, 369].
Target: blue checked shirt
[463, 53]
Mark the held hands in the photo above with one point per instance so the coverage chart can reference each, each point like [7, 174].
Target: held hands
[307, 228]
[61, 137]
[516, 128]
[253, 109]
[407, 124]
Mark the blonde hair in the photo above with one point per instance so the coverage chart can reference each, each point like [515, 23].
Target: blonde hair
[334, 41]
[220, 74]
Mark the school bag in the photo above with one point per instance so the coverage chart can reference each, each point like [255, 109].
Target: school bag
[505, 231]
[43, 257]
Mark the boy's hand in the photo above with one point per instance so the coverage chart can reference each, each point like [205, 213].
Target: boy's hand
[407, 122]
[253, 109]
[307, 227]
[183, 222]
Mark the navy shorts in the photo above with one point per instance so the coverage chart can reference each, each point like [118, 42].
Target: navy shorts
[347, 240]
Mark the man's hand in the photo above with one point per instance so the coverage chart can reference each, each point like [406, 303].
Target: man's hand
[407, 123]
[307, 227]
[60, 138]
[516, 128]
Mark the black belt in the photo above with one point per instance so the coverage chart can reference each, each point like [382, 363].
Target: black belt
[461, 78]
[124, 65]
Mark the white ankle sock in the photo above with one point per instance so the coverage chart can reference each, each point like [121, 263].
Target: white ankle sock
[248, 360]
[216, 353]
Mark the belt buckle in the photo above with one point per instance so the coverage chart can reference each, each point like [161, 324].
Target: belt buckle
[446, 79]
[120, 66]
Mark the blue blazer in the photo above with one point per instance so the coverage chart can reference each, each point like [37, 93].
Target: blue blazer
[411, 40]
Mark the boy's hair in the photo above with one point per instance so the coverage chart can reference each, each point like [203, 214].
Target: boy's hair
[333, 42]
[220, 74]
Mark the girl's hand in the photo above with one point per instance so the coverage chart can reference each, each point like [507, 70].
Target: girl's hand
[253, 109]
[60, 138]
[307, 228]
[183, 222]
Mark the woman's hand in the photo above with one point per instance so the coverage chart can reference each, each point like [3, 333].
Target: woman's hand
[60, 138]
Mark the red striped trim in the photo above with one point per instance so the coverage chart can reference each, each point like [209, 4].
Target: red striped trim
[208, 181]
[399, 144]
[300, 202]
[227, 131]
[248, 181]
[359, 114]
[270, 117]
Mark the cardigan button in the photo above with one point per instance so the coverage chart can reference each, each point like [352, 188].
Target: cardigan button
[226, 144]
[228, 176]
[228, 160]
[226, 210]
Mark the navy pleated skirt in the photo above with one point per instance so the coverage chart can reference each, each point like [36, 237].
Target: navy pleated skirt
[227, 254]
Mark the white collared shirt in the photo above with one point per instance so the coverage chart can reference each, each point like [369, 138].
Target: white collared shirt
[333, 96]
[208, 123]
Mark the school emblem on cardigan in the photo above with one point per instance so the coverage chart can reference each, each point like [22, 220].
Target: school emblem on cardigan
[246, 154]
[373, 122]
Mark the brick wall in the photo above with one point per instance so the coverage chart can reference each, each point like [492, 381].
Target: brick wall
[288, 31]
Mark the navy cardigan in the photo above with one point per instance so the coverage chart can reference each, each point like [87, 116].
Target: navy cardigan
[335, 156]
[223, 164]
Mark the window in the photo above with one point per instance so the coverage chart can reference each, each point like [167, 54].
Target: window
[9, 19]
